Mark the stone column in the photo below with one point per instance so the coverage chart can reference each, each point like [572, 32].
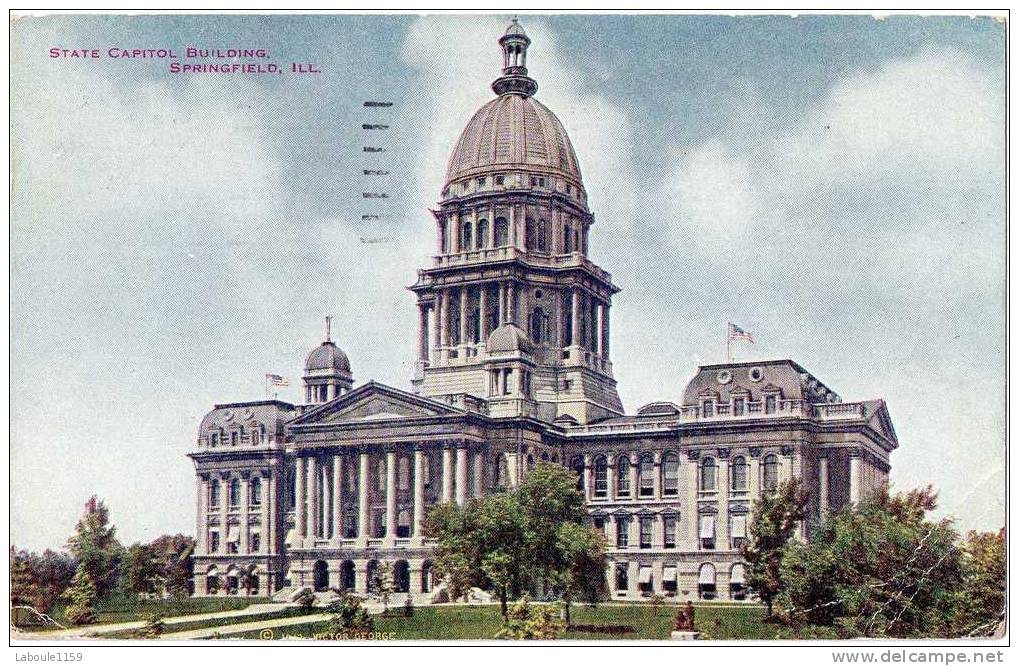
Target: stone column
[722, 538]
[854, 476]
[444, 318]
[656, 574]
[634, 536]
[633, 579]
[691, 504]
[202, 517]
[511, 303]
[447, 474]
[463, 316]
[416, 568]
[422, 331]
[502, 303]
[243, 546]
[454, 234]
[634, 474]
[434, 321]
[610, 577]
[658, 474]
[273, 512]
[606, 337]
[337, 531]
[362, 498]
[610, 531]
[479, 474]
[313, 523]
[600, 317]
[588, 477]
[224, 511]
[327, 500]
[300, 509]
[390, 494]
[361, 576]
[512, 464]
[483, 318]
[575, 318]
[610, 477]
[657, 532]
[419, 492]
[822, 472]
[755, 478]
[461, 475]
[263, 518]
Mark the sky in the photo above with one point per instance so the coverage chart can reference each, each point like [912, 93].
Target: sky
[833, 184]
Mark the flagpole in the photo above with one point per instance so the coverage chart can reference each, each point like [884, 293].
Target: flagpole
[728, 342]
[267, 387]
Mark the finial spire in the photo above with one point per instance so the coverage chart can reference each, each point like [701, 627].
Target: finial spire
[514, 79]
[329, 326]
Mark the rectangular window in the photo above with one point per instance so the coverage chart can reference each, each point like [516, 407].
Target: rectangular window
[499, 180]
[622, 532]
[738, 406]
[599, 524]
[214, 494]
[669, 523]
[213, 542]
[231, 547]
[769, 404]
[738, 531]
[481, 181]
[707, 532]
[214, 439]
[256, 542]
[233, 438]
[645, 532]
[708, 408]
[350, 526]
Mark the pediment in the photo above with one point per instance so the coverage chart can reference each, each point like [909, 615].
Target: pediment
[881, 421]
[374, 402]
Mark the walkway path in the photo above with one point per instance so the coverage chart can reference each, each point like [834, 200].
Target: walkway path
[101, 629]
[242, 627]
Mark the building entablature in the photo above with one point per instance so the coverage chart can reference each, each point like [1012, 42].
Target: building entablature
[515, 263]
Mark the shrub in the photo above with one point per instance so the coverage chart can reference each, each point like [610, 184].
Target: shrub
[350, 618]
[527, 621]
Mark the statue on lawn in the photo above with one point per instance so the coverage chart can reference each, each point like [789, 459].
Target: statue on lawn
[684, 619]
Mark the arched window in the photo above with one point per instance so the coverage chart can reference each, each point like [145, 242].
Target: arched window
[530, 233]
[444, 236]
[501, 232]
[256, 492]
[739, 474]
[623, 576]
[623, 476]
[646, 472]
[706, 581]
[466, 237]
[256, 436]
[482, 233]
[670, 474]
[601, 477]
[770, 472]
[214, 493]
[708, 475]
[235, 492]
[567, 240]
[542, 235]
[577, 465]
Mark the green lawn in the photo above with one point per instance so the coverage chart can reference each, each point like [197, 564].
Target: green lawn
[124, 609]
[719, 622]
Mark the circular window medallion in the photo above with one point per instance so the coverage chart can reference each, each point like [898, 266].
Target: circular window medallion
[228, 415]
[756, 374]
[724, 376]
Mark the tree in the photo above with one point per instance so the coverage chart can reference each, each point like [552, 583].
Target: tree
[53, 571]
[981, 604]
[775, 519]
[509, 541]
[581, 569]
[25, 588]
[96, 548]
[382, 589]
[876, 568]
[144, 572]
[81, 598]
[173, 554]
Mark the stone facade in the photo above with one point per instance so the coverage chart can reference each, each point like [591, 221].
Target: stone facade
[514, 369]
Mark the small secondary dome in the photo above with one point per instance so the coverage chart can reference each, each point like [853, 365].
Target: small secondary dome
[327, 356]
[509, 338]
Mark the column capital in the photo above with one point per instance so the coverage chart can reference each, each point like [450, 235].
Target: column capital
[723, 453]
[755, 452]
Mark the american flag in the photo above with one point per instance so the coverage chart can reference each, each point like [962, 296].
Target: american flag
[277, 380]
[737, 333]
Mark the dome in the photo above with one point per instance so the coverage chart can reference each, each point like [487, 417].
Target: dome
[515, 28]
[514, 132]
[509, 338]
[327, 356]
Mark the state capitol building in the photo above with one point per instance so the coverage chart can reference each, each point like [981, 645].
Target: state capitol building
[514, 368]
